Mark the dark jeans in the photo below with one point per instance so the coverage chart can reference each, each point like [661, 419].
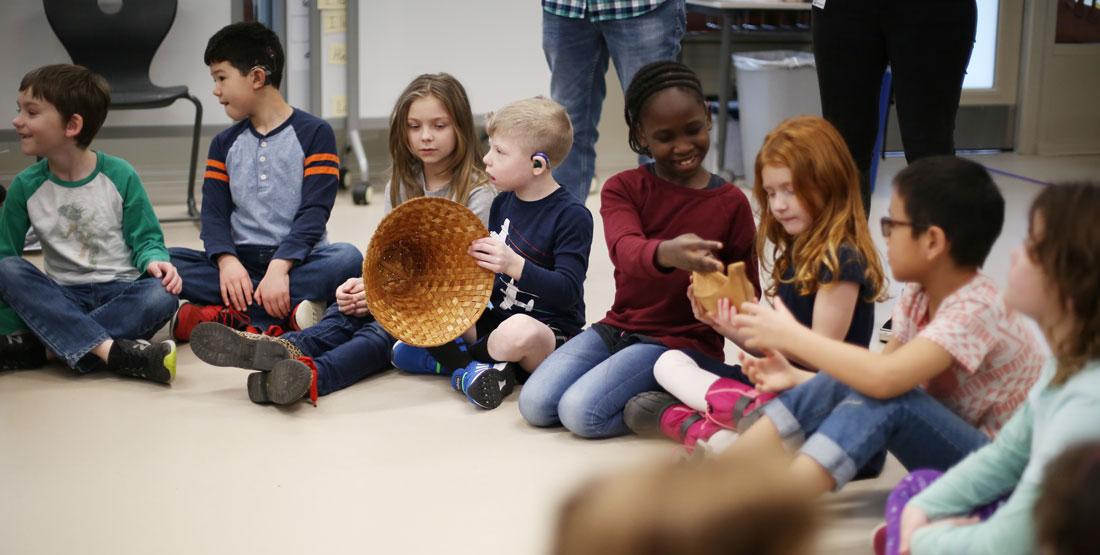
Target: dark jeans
[345, 348]
[927, 44]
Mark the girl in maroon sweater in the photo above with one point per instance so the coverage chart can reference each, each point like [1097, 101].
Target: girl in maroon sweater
[662, 221]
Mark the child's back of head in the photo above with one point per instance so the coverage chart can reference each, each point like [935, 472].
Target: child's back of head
[539, 123]
[957, 196]
[1065, 513]
[72, 90]
[248, 45]
[738, 506]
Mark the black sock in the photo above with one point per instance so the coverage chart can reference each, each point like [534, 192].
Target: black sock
[451, 356]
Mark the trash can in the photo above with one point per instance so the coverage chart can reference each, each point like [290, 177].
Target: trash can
[772, 86]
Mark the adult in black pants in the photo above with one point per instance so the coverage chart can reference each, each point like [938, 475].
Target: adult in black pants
[927, 44]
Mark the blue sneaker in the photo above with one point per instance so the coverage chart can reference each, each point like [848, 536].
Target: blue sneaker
[415, 360]
[485, 385]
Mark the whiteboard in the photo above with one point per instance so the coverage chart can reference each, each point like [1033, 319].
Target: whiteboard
[493, 47]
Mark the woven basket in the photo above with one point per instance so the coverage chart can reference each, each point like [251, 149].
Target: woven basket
[421, 285]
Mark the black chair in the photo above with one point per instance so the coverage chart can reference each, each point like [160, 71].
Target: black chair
[120, 47]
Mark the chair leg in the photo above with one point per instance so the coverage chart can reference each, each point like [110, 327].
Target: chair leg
[192, 208]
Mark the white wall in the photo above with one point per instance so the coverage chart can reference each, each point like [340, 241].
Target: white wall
[28, 42]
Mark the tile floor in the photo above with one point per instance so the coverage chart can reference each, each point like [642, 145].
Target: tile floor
[396, 464]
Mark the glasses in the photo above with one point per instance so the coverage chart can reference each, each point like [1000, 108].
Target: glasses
[888, 224]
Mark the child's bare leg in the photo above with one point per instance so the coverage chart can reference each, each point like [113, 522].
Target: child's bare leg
[811, 475]
[522, 339]
[762, 437]
[103, 349]
[678, 374]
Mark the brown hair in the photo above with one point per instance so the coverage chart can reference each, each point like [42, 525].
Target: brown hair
[685, 509]
[1068, 251]
[1069, 499]
[465, 166]
[72, 90]
[825, 180]
[539, 123]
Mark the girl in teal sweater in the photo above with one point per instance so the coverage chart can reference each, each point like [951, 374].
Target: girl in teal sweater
[1053, 279]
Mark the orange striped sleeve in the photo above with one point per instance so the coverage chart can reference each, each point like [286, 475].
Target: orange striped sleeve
[322, 158]
[216, 175]
[320, 170]
[215, 164]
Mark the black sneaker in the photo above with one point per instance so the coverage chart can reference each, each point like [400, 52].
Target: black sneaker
[886, 331]
[287, 382]
[21, 351]
[642, 413]
[141, 359]
[220, 345]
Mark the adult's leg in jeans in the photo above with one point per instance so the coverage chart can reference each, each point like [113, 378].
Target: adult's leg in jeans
[650, 37]
[134, 310]
[851, 57]
[54, 313]
[322, 271]
[540, 396]
[593, 406]
[578, 57]
[917, 429]
[928, 70]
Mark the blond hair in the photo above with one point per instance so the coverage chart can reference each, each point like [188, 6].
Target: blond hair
[744, 504]
[825, 180]
[465, 166]
[539, 123]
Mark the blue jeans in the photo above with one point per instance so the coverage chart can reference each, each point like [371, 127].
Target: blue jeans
[577, 51]
[315, 278]
[345, 349]
[583, 386]
[71, 320]
[846, 429]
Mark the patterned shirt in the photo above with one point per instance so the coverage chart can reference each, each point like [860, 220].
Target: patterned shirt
[600, 10]
[996, 356]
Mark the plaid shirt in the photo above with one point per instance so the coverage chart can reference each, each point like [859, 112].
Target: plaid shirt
[599, 10]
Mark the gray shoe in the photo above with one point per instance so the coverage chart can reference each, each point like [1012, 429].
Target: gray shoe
[287, 382]
[642, 413]
[221, 345]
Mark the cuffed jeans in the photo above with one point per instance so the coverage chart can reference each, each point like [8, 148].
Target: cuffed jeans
[577, 51]
[71, 320]
[846, 429]
[314, 278]
[927, 45]
[345, 348]
[584, 386]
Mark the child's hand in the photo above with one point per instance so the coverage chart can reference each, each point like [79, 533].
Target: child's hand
[765, 327]
[170, 277]
[236, 284]
[771, 373]
[351, 298]
[494, 255]
[689, 252]
[273, 292]
[912, 519]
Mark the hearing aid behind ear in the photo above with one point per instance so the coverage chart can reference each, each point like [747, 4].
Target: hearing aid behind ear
[536, 162]
[267, 72]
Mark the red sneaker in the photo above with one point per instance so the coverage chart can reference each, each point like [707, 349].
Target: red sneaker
[190, 315]
[734, 405]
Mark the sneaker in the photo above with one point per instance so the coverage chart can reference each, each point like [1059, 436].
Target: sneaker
[642, 413]
[485, 385]
[305, 314]
[886, 331]
[21, 351]
[220, 345]
[288, 381]
[415, 360]
[878, 539]
[189, 315]
[272, 331]
[141, 359]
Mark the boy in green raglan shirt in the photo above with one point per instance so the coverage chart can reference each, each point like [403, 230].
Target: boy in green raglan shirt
[108, 285]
